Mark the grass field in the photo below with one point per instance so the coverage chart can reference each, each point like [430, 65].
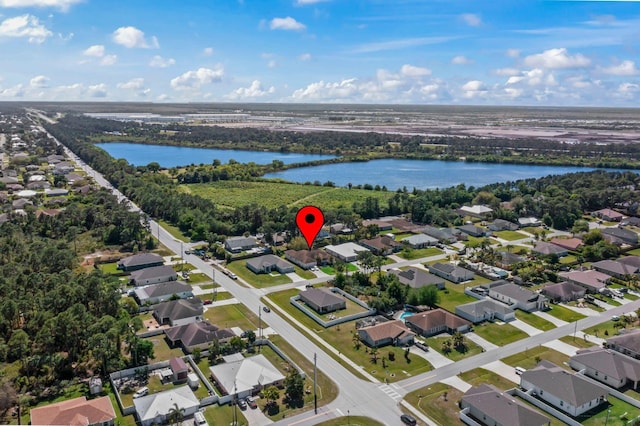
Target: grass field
[527, 358]
[534, 320]
[437, 401]
[436, 342]
[223, 415]
[411, 254]
[275, 194]
[111, 269]
[578, 342]
[499, 334]
[617, 412]
[258, 280]
[452, 296]
[351, 421]
[565, 314]
[603, 330]
[236, 315]
[510, 235]
[173, 230]
[478, 376]
[161, 349]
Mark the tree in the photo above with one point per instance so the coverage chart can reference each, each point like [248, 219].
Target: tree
[251, 337]
[356, 341]
[374, 355]
[175, 415]
[153, 166]
[19, 345]
[446, 347]
[294, 388]
[271, 394]
[459, 342]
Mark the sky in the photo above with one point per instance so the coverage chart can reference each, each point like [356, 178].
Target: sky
[457, 52]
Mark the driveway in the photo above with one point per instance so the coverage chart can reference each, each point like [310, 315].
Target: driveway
[504, 370]
[434, 357]
[487, 345]
[255, 417]
[457, 383]
[553, 320]
[584, 311]
[295, 277]
[562, 347]
[523, 326]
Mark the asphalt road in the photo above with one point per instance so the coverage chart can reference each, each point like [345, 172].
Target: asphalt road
[358, 397]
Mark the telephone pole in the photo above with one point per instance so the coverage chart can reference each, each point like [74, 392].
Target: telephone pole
[315, 380]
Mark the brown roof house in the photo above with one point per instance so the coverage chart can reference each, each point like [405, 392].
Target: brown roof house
[608, 215]
[307, 259]
[436, 321]
[140, 261]
[486, 405]
[197, 335]
[451, 272]
[567, 243]
[179, 369]
[615, 268]
[382, 245]
[322, 301]
[563, 390]
[627, 343]
[607, 366]
[75, 412]
[563, 292]
[179, 312]
[417, 278]
[386, 333]
[592, 280]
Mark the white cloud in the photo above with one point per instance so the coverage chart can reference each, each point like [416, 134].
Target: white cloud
[163, 97]
[473, 89]
[133, 84]
[109, 60]
[197, 78]
[16, 91]
[461, 60]
[96, 50]
[131, 37]
[97, 90]
[287, 23]
[60, 4]
[207, 51]
[305, 57]
[412, 71]
[628, 89]
[24, 26]
[623, 68]
[507, 71]
[254, 91]
[556, 58]
[400, 44]
[39, 81]
[272, 63]
[327, 91]
[513, 53]
[471, 19]
[160, 62]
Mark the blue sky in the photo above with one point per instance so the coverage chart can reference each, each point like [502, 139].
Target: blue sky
[498, 52]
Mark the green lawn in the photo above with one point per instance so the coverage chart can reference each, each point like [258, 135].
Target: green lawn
[568, 259]
[411, 254]
[634, 252]
[603, 330]
[578, 342]
[527, 358]
[436, 342]
[617, 412]
[303, 273]
[351, 421]
[499, 333]
[510, 235]
[173, 230]
[478, 376]
[452, 296]
[258, 280]
[534, 320]
[328, 270]
[223, 415]
[565, 314]
[161, 350]
[236, 315]
[198, 278]
[437, 401]
[111, 269]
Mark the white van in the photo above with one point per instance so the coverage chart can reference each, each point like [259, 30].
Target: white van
[141, 392]
[520, 370]
[199, 420]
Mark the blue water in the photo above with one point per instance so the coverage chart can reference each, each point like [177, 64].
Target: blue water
[173, 156]
[405, 314]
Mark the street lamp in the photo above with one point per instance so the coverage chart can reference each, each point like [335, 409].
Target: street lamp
[348, 418]
[607, 419]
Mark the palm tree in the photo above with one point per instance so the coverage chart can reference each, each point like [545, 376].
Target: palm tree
[374, 355]
[175, 415]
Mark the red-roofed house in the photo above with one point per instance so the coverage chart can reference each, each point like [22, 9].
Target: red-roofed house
[567, 243]
[75, 412]
[608, 215]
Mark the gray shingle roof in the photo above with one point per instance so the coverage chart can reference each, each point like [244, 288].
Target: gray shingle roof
[502, 407]
[140, 259]
[153, 272]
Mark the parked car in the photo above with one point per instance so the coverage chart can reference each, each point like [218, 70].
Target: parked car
[408, 420]
[233, 276]
[141, 392]
[187, 252]
[251, 403]
[207, 302]
[266, 309]
[199, 420]
[242, 404]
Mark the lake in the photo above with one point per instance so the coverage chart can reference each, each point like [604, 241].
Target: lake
[392, 173]
[173, 156]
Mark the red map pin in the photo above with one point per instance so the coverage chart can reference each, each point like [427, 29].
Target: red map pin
[310, 220]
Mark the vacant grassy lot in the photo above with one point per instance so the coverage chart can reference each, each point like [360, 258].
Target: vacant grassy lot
[174, 231]
[528, 358]
[198, 278]
[111, 269]
[275, 194]
[578, 342]
[452, 296]
[257, 280]
[411, 254]
[437, 401]
[236, 315]
[436, 342]
[534, 320]
[351, 421]
[603, 330]
[510, 235]
[565, 314]
[161, 349]
[499, 333]
[478, 376]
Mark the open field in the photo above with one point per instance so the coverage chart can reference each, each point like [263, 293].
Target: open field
[510, 235]
[564, 314]
[236, 315]
[275, 194]
[410, 254]
[478, 376]
[534, 320]
[499, 333]
[258, 280]
[437, 401]
[435, 343]
[577, 342]
[527, 358]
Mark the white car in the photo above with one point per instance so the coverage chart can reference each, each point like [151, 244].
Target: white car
[141, 392]
[199, 420]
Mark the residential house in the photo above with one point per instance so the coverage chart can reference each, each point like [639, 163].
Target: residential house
[153, 275]
[140, 261]
[179, 369]
[156, 408]
[245, 376]
[347, 252]
[382, 245]
[393, 333]
[474, 231]
[307, 259]
[547, 249]
[238, 244]
[63, 168]
[627, 343]
[76, 411]
[21, 203]
[382, 225]
[515, 296]
[567, 392]
[179, 312]
[608, 215]
[592, 280]
[340, 229]
[485, 310]
[571, 244]
[615, 268]
[620, 236]
[630, 221]
[267, 263]
[476, 210]
[607, 366]
[417, 278]
[157, 293]
[486, 405]
[529, 221]
[502, 225]
[631, 261]
[322, 301]
[56, 192]
[506, 260]
[197, 335]
[419, 241]
[436, 321]
[446, 235]
[451, 272]
[563, 292]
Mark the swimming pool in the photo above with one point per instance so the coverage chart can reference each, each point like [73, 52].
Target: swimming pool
[405, 314]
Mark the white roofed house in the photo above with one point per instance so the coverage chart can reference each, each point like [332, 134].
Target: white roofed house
[238, 244]
[477, 210]
[245, 376]
[157, 293]
[418, 241]
[347, 252]
[155, 408]
[153, 275]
